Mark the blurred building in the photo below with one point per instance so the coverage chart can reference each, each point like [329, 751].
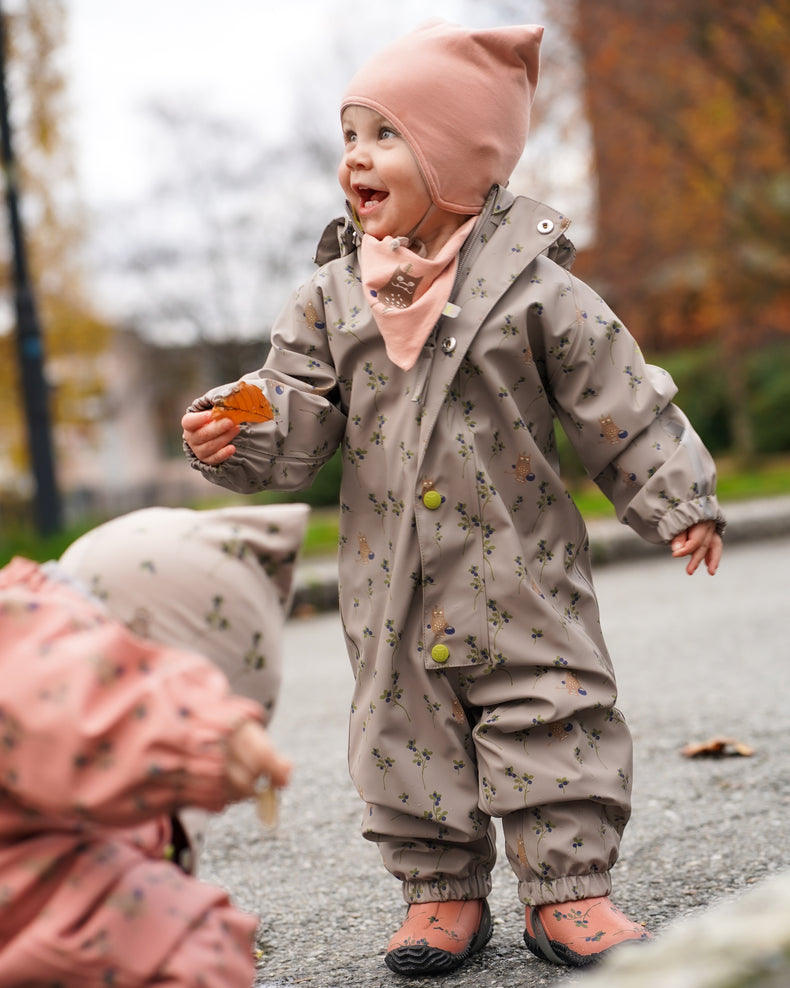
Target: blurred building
[121, 449]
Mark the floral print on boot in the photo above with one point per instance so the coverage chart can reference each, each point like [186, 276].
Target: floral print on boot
[437, 937]
[578, 933]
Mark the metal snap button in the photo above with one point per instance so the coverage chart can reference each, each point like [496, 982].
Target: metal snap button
[449, 344]
[545, 226]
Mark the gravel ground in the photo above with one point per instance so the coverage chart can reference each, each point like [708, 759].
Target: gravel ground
[696, 658]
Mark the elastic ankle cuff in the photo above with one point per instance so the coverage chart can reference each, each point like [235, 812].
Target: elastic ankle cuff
[565, 889]
[443, 889]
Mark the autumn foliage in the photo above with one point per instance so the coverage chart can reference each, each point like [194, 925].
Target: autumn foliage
[689, 102]
[245, 403]
[74, 335]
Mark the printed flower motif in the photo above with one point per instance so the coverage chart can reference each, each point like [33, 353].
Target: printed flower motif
[384, 763]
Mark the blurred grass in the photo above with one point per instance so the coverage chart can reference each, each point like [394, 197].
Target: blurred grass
[767, 477]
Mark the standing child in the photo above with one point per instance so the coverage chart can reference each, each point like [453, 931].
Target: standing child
[436, 351]
[106, 736]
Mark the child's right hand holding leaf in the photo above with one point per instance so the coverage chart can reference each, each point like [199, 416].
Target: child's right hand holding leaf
[209, 434]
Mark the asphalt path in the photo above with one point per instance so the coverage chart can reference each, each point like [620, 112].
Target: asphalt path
[697, 658]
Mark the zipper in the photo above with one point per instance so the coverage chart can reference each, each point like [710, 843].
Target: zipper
[473, 240]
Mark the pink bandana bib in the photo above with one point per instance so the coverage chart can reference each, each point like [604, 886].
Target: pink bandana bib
[407, 293]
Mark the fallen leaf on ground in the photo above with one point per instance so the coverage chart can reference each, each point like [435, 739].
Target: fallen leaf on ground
[245, 403]
[718, 747]
[267, 807]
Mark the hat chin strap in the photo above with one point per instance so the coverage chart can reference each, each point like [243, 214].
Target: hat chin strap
[413, 232]
[408, 238]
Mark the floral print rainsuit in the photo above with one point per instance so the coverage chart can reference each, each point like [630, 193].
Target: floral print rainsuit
[483, 687]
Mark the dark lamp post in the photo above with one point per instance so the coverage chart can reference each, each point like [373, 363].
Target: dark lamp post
[47, 509]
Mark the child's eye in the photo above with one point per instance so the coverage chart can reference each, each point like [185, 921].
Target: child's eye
[349, 136]
[386, 133]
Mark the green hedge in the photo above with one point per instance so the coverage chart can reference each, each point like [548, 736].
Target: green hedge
[323, 492]
[702, 379]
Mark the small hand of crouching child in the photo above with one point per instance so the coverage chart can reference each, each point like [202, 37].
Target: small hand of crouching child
[250, 754]
[701, 542]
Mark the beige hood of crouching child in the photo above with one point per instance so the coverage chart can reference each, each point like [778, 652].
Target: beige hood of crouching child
[218, 582]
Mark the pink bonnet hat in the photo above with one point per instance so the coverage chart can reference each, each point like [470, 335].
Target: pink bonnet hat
[461, 98]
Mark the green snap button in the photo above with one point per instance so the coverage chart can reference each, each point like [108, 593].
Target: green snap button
[440, 653]
[432, 500]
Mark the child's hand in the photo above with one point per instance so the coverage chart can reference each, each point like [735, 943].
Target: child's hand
[701, 541]
[209, 438]
[251, 754]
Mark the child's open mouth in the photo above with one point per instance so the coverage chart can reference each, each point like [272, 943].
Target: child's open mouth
[370, 198]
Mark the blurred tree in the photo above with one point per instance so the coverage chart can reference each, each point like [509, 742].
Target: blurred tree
[74, 335]
[233, 223]
[227, 233]
[689, 106]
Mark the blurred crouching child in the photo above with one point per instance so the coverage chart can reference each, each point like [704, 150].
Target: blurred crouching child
[113, 721]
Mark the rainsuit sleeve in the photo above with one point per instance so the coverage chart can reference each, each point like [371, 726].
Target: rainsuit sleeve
[300, 382]
[618, 413]
[99, 725]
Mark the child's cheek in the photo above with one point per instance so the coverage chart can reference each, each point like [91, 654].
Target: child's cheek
[342, 177]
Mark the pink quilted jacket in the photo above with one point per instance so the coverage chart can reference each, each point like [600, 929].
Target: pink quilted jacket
[102, 737]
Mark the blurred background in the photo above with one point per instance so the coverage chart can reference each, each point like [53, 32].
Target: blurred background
[169, 166]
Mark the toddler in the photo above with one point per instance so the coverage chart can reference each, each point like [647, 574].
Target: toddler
[437, 342]
[107, 736]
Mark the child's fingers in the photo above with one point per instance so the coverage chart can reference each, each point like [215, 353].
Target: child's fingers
[192, 421]
[697, 557]
[203, 426]
[715, 550]
[269, 761]
[209, 438]
[213, 456]
[685, 543]
[702, 543]
[251, 754]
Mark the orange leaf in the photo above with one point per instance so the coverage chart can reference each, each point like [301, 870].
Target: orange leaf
[245, 403]
[718, 747]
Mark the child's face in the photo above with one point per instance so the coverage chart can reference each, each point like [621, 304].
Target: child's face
[383, 182]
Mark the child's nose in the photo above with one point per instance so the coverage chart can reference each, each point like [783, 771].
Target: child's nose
[357, 155]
